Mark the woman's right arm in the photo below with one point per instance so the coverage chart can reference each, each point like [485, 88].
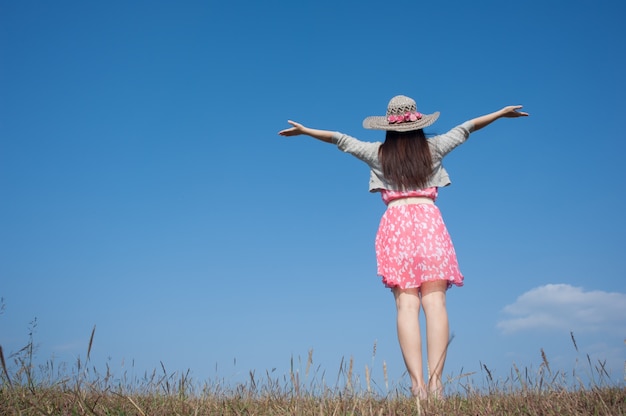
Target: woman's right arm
[445, 143]
[298, 129]
[510, 111]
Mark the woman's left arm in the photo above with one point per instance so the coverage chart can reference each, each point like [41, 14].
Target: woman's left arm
[298, 129]
[507, 112]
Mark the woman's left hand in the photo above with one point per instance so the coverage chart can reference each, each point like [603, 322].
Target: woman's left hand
[296, 130]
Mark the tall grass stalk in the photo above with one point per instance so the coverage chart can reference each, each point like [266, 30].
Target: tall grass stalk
[83, 390]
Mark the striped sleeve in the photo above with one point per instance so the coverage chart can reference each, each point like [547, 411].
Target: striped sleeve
[365, 151]
[445, 143]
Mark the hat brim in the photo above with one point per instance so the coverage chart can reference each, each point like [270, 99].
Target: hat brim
[381, 123]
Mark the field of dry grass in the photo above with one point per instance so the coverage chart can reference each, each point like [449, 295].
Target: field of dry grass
[82, 390]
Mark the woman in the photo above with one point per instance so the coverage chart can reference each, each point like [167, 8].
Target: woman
[414, 253]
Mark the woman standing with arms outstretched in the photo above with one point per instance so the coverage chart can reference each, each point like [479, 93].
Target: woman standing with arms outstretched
[414, 252]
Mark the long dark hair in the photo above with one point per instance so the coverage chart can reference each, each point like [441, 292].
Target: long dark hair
[406, 160]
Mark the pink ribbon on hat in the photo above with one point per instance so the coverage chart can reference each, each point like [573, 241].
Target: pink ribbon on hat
[404, 118]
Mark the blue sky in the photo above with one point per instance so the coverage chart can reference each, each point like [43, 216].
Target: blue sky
[144, 188]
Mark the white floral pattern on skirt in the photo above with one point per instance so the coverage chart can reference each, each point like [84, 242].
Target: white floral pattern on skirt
[413, 245]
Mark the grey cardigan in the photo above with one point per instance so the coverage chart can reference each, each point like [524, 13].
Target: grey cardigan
[439, 147]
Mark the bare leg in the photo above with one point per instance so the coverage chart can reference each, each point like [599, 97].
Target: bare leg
[408, 306]
[437, 331]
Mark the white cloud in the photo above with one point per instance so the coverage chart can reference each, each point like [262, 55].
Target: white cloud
[566, 308]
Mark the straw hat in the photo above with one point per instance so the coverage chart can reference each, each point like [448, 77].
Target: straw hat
[402, 115]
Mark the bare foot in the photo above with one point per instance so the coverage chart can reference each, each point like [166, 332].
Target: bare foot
[436, 393]
[419, 392]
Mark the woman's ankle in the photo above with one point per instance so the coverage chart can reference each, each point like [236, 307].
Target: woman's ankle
[435, 392]
[420, 392]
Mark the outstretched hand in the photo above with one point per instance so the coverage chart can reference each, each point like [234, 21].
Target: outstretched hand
[512, 111]
[296, 130]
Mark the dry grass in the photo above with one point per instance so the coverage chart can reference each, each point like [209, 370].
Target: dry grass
[83, 390]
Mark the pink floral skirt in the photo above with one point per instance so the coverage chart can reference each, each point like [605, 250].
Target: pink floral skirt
[413, 245]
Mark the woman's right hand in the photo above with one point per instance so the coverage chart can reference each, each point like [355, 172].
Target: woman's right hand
[508, 112]
[511, 111]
